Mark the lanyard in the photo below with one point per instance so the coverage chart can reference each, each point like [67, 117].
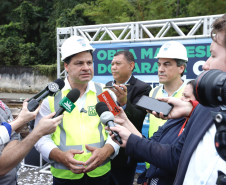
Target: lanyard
[182, 128]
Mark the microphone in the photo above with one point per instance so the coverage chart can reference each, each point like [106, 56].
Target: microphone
[67, 103]
[50, 90]
[107, 118]
[110, 102]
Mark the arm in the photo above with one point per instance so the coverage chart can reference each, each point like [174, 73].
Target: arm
[163, 156]
[114, 146]
[24, 117]
[13, 142]
[44, 144]
[135, 114]
[10, 145]
[122, 120]
[157, 134]
[9, 158]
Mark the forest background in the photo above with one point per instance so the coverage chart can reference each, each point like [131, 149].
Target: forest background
[28, 28]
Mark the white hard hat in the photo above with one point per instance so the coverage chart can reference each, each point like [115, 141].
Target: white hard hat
[74, 45]
[173, 49]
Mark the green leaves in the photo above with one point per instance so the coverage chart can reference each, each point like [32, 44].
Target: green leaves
[28, 28]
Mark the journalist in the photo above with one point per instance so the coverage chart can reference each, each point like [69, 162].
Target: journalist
[169, 133]
[12, 156]
[193, 156]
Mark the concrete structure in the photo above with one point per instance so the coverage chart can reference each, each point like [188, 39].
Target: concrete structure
[14, 79]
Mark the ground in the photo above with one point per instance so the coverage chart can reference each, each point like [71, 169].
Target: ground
[31, 176]
[28, 176]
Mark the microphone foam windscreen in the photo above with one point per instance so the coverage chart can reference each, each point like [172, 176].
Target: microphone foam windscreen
[106, 117]
[60, 82]
[73, 95]
[101, 107]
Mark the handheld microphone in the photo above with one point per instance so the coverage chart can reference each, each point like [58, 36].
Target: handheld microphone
[107, 118]
[50, 90]
[112, 105]
[67, 103]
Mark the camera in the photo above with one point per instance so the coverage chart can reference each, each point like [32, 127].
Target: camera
[210, 88]
[210, 91]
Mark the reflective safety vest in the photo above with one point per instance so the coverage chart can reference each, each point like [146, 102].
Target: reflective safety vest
[154, 122]
[76, 130]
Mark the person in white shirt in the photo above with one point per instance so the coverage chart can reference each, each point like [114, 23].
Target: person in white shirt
[85, 161]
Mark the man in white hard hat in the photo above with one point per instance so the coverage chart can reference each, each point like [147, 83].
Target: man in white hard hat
[80, 148]
[172, 62]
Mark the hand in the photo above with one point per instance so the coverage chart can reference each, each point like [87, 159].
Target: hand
[120, 93]
[99, 155]
[25, 115]
[122, 119]
[180, 109]
[67, 159]
[46, 125]
[122, 131]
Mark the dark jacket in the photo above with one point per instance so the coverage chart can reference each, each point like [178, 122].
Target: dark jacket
[174, 157]
[136, 115]
[166, 134]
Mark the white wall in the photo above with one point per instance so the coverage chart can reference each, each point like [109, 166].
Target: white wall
[21, 80]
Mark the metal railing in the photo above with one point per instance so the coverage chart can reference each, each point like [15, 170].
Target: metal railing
[134, 32]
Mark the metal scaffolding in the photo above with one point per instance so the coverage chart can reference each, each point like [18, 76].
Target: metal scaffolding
[135, 31]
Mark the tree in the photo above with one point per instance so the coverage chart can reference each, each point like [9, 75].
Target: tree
[204, 7]
[30, 37]
[28, 28]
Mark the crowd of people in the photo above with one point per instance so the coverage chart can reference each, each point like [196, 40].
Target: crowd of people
[179, 149]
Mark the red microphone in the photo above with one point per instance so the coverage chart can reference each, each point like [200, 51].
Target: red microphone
[106, 98]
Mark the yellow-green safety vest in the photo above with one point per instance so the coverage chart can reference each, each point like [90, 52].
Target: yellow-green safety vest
[76, 130]
[154, 122]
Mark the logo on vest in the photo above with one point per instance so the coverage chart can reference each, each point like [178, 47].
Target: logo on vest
[67, 104]
[92, 111]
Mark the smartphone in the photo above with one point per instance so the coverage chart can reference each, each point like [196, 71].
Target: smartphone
[113, 86]
[152, 104]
